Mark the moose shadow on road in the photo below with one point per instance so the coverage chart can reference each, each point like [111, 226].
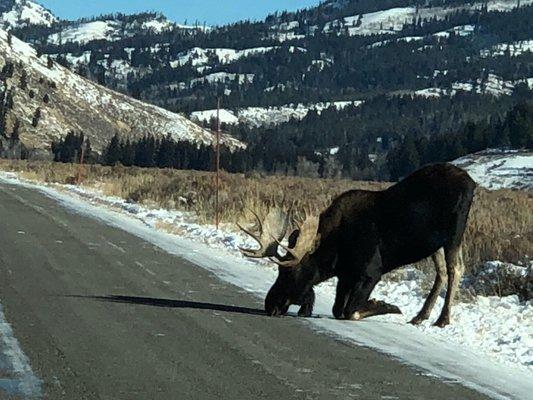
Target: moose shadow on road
[171, 303]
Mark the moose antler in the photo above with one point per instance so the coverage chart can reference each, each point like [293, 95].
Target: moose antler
[306, 243]
[271, 231]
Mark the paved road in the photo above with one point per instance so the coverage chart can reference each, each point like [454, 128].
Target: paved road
[102, 314]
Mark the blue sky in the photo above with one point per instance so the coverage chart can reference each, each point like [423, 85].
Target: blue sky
[214, 12]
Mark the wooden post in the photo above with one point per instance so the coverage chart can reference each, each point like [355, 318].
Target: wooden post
[80, 167]
[217, 216]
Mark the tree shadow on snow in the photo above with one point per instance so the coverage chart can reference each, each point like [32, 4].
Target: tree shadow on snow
[170, 303]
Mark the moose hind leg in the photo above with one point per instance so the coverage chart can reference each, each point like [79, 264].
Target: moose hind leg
[440, 267]
[455, 268]
[359, 297]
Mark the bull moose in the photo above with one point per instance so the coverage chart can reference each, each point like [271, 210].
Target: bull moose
[365, 234]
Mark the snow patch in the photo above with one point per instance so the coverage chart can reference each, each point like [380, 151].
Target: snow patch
[492, 84]
[393, 20]
[198, 56]
[16, 375]
[87, 32]
[25, 12]
[498, 169]
[514, 49]
[223, 77]
[270, 116]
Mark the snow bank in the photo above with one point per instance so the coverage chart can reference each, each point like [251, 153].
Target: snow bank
[488, 347]
[498, 169]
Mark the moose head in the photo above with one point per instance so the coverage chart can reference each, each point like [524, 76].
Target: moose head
[294, 285]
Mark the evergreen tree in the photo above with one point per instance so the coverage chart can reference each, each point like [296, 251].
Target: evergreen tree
[113, 151]
[36, 117]
[23, 80]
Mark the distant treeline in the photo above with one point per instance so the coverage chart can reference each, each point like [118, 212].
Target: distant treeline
[514, 131]
[272, 156]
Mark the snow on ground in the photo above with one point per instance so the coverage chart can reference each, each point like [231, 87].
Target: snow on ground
[488, 347]
[157, 25]
[198, 56]
[269, 116]
[109, 29]
[284, 36]
[221, 77]
[513, 49]
[16, 376]
[379, 22]
[497, 169]
[226, 116]
[86, 32]
[26, 12]
[460, 30]
[493, 84]
[392, 20]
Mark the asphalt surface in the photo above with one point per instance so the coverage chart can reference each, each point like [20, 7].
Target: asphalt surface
[102, 314]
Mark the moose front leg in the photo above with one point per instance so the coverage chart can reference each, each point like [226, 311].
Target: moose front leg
[341, 297]
[307, 303]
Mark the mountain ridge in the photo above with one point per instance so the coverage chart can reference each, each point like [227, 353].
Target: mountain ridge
[431, 67]
[45, 101]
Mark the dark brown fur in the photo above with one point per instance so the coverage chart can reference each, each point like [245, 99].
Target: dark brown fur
[365, 234]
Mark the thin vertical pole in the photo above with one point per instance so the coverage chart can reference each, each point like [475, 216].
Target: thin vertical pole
[217, 216]
[80, 167]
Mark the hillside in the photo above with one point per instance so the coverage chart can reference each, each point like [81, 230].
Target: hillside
[336, 51]
[43, 101]
[312, 87]
[18, 13]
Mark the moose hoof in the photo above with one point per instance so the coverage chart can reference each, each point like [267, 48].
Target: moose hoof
[442, 322]
[418, 320]
[356, 316]
[305, 312]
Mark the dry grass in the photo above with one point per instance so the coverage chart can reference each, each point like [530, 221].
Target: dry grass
[500, 227]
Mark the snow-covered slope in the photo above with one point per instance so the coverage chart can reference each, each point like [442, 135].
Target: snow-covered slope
[513, 49]
[109, 29]
[393, 20]
[498, 169]
[17, 13]
[493, 85]
[269, 116]
[67, 102]
[198, 56]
